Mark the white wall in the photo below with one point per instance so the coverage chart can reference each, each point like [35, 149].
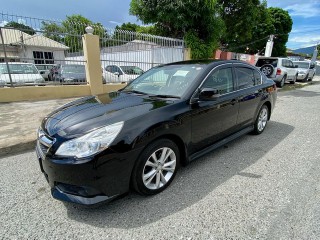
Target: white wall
[145, 59]
[27, 54]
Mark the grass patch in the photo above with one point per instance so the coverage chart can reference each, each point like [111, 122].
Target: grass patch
[297, 85]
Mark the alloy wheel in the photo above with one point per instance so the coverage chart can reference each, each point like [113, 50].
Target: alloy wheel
[159, 168]
[262, 119]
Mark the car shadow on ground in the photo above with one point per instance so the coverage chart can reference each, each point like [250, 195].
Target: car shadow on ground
[192, 183]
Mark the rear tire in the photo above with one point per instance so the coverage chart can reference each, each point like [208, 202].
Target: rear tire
[294, 80]
[281, 83]
[156, 167]
[261, 120]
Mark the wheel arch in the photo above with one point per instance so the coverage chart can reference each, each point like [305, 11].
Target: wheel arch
[184, 160]
[268, 104]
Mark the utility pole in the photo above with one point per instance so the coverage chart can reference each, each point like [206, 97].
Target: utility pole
[315, 53]
[269, 46]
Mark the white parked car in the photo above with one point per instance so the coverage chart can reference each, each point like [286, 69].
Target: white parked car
[121, 74]
[21, 73]
[278, 69]
[306, 70]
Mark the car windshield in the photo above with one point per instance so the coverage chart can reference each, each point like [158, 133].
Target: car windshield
[263, 61]
[302, 64]
[73, 69]
[171, 80]
[131, 70]
[18, 69]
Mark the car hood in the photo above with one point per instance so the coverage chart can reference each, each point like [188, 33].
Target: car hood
[23, 78]
[302, 69]
[81, 116]
[73, 75]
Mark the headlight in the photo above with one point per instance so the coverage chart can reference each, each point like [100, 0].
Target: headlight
[302, 72]
[91, 143]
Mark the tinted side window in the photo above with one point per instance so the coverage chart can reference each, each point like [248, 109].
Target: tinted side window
[109, 68]
[221, 80]
[257, 77]
[290, 64]
[245, 77]
[285, 63]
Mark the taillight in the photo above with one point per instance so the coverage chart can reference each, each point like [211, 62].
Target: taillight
[271, 89]
[278, 71]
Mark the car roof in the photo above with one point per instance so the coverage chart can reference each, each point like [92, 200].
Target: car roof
[306, 61]
[208, 62]
[20, 63]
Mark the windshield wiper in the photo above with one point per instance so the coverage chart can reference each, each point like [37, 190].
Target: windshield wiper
[164, 96]
[134, 91]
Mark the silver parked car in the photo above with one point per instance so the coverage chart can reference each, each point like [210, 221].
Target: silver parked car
[306, 70]
[44, 70]
[278, 69]
[21, 73]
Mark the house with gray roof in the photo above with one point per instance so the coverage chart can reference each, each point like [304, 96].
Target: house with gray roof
[23, 47]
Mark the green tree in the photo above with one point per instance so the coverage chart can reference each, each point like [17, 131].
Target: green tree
[198, 22]
[53, 31]
[240, 18]
[282, 23]
[262, 30]
[70, 31]
[22, 27]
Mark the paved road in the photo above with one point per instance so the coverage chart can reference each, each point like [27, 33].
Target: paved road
[258, 187]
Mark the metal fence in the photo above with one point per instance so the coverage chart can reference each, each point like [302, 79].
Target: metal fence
[37, 51]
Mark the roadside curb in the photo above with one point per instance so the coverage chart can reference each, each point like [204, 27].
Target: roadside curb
[17, 148]
[296, 86]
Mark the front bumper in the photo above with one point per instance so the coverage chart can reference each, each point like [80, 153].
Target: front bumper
[100, 179]
[301, 76]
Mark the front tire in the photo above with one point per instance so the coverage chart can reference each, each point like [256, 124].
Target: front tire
[156, 167]
[261, 120]
[306, 78]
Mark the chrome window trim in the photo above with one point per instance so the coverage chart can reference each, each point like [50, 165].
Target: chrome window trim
[234, 91]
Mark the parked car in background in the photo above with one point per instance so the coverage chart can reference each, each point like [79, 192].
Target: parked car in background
[95, 148]
[306, 70]
[278, 69]
[21, 73]
[69, 73]
[44, 70]
[122, 74]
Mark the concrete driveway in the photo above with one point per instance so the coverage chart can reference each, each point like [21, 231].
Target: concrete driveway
[257, 187]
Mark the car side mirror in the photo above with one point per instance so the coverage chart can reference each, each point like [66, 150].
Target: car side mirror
[209, 94]
[116, 73]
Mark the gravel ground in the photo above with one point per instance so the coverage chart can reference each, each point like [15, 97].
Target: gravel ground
[257, 187]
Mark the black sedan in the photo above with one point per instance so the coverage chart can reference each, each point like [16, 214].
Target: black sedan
[95, 148]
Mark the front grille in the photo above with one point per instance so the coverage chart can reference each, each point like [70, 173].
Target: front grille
[44, 143]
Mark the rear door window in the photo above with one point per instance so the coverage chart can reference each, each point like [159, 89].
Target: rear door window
[245, 77]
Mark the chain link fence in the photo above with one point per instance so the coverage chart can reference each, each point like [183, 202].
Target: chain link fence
[37, 51]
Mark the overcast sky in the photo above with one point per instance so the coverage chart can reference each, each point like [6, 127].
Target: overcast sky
[305, 14]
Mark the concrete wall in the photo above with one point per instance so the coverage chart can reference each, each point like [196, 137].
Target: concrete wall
[50, 92]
